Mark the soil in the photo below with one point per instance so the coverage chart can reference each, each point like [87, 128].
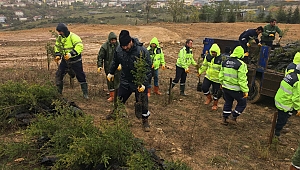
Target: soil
[183, 128]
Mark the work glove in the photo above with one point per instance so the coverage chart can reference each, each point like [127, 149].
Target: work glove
[187, 70]
[271, 35]
[141, 88]
[119, 67]
[99, 69]
[298, 113]
[110, 77]
[245, 95]
[163, 67]
[198, 75]
[248, 44]
[152, 66]
[68, 56]
[259, 44]
[279, 38]
[246, 54]
[56, 59]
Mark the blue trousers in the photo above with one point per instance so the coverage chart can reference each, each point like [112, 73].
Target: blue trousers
[215, 87]
[155, 77]
[229, 97]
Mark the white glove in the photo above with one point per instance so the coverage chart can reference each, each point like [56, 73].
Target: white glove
[141, 88]
[68, 56]
[110, 77]
[99, 69]
[119, 67]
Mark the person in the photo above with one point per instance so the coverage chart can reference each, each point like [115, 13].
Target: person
[157, 58]
[292, 66]
[234, 83]
[226, 53]
[246, 36]
[184, 60]
[68, 49]
[211, 66]
[287, 99]
[268, 34]
[127, 53]
[296, 160]
[106, 55]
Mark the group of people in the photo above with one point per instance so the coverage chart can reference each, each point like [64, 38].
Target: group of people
[227, 76]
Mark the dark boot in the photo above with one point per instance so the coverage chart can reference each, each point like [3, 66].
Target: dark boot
[182, 88]
[84, 88]
[60, 88]
[224, 121]
[146, 125]
[233, 120]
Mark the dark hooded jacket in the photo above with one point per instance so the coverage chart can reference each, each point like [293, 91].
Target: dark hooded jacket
[127, 60]
[106, 52]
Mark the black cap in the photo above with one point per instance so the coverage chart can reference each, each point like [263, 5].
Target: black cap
[124, 38]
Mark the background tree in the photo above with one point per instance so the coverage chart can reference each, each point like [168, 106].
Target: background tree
[218, 17]
[231, 17]
[296, 16]
[281, 15]
[289, 15]
[149, 3]
[194, 16]
[176, 8]
[206, 12]
[269, 17]
[261, 15]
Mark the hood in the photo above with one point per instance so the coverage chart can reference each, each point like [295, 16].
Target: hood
[112, 35]
[215, 48]
[63, 28]
[297, 58]
[238, 52]
[154, 41]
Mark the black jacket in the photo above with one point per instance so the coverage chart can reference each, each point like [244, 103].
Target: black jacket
[127, 60]
[249, 34]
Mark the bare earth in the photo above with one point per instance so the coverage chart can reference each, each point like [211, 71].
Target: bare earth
[185, 129]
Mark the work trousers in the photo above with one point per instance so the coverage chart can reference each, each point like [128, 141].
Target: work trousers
[180, 74]
[282, 118]
[124, 94]
[155, 78]
[76, 67]
[229, 97]
[215, 88]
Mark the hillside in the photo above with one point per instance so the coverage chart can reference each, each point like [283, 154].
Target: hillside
[183, 130]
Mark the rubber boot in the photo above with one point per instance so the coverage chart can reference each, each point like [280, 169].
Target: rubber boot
[60, 88]
[84, 88]
[182, 88]
[215, 105]
[146, 125]
[149, 92]
[224, 121]
[208, 99]
[156, 90]
[111, 96]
